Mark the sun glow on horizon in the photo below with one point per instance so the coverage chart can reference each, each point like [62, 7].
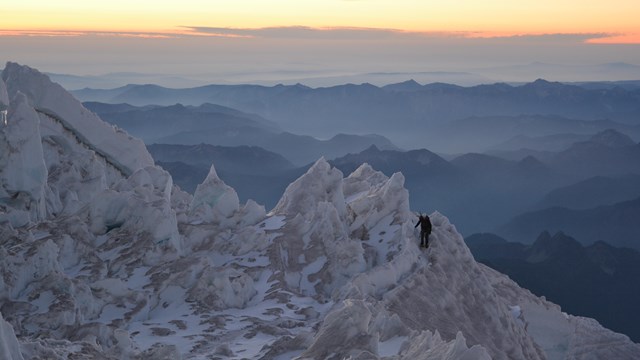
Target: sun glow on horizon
[493, 18]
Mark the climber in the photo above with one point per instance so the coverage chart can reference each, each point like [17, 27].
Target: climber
[425, 229]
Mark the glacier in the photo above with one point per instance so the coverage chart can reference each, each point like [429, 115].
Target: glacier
[104, 257]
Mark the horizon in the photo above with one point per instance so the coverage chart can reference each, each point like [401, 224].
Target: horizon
[322, 43]
[109, 81]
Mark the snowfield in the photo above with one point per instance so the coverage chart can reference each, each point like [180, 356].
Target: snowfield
[103, 257]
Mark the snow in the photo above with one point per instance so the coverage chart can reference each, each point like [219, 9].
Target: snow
[9, 346]
[272, 223]
[551, 331]
[4, 95]
[516, 312]
[128, 153]
[78, 270]
[111, 312]
[288, 355]
[392, 346]
[138, 278]
[43, 301]
[213, 200]
[21, 148]
[320, 183]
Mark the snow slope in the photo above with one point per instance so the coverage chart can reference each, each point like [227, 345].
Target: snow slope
[9, 346]
[52, 100]
[108, 259]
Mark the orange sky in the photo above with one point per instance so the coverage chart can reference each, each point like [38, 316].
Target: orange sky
[619, 18]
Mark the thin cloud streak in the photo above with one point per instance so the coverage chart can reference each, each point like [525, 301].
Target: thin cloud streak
[72, 33]
[355, 33]
[338, 34]
[305, 32]
[617, 39]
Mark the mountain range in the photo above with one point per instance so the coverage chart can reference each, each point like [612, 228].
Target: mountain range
[222, 126]
[596, 76]
[411, 119]
[500, 134]
[597, 280]
[593, 192]
[615, 224]
[480, 192]
[104, 258]
[253, 172]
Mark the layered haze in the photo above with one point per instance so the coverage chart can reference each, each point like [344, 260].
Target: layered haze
[322, 43]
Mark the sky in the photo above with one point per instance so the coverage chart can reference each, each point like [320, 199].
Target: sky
[198, 41]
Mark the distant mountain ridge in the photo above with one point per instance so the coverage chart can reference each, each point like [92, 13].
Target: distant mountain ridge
[607, 153]
[241, 159]
[349, 108]
[593, 192]
[479, 189]
[616, 224]
[612, 138]
[219, 125]
[595, 76]
[476, 189]
[535, 132]
[589, 280]
[255, 173]
[153, 122]
[555, 142]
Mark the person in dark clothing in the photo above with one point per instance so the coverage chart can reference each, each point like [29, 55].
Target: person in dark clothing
[425, 230]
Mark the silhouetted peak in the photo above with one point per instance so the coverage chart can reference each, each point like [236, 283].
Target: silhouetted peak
[544, 236]
[530, 163]
[176, 106]
[530, 159]
[440, 86]
[301, 86]
[405, 86]
[612, 138]
[606, 256]
[601, 246]
[371, 150]
[547, 248]
[541, 82]
[144, 86]
[472, 157]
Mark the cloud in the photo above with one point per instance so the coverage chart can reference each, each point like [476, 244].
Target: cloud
[552, 38]
[71, 33]
[343, 34]
[356, 33]
[617, 39]
[305, 32]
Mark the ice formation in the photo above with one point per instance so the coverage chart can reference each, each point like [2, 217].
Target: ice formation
[9, 346]
[103, 257]
[214, 200]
